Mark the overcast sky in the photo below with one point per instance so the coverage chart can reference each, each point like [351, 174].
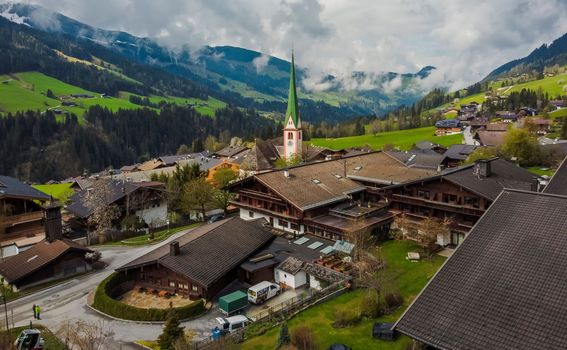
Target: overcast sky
[464, 39]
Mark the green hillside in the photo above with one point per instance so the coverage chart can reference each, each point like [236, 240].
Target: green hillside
[404, 139]
[28, 90]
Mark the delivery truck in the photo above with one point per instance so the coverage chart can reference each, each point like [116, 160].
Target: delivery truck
[233, 302]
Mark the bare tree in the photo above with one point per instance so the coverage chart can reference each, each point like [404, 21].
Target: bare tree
[430, 229]
[82, 335]
[99, 199]
[375, 127]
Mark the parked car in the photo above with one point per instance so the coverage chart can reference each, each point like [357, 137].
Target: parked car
[263, 291]
[29, 339]
[233, 323]
[215, 218]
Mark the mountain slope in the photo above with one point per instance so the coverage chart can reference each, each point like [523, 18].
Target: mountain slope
[238, 76]
[544, 56]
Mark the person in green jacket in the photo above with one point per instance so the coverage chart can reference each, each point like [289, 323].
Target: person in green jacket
[38, 311]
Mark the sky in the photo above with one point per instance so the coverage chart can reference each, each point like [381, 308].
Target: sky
[465, 40]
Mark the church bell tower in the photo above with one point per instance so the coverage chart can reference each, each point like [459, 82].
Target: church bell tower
[292, 135]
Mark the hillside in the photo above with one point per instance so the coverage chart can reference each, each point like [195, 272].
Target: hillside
[28, 90]
[231, 74]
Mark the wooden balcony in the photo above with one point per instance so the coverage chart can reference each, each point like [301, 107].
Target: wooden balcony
[258, 194]
[21, 218]
[452, 207]
[260, 209]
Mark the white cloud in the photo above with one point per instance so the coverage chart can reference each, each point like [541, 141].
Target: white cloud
[261, 62]
[465, 40]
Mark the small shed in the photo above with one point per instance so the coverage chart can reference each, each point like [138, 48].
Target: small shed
[290, 274]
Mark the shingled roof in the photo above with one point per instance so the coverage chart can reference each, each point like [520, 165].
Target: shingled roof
[39, 255]
[211, 251]
[11, 187]
[504, 287]
[558, 183]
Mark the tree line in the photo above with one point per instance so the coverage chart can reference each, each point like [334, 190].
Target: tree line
[38, 147]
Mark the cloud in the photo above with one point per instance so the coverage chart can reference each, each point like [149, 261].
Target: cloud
[261, 62]
[464, 40]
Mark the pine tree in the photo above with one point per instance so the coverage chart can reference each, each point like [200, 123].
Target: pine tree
[172, 332]
[284, 338]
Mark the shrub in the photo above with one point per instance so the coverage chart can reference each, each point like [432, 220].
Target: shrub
[393, 300]
[370, 305]
[346, 318]
[303, 338]
[284, 338]
[103, 301]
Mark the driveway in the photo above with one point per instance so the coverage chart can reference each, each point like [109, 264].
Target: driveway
[68, 301]
[469, 140]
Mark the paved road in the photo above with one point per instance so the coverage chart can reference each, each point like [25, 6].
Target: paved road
[469, 137]
[68, 301]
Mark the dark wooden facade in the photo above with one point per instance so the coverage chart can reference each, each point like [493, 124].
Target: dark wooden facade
[441, 199]
[69, 264]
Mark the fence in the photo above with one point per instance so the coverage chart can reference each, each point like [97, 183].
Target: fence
[284, 310]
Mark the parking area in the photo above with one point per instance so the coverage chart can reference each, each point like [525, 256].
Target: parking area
[276, 303]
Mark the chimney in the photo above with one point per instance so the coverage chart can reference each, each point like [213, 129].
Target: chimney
[482, 168]
[52, 222]
[174, 248]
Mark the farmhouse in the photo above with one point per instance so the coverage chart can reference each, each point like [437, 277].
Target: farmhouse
[202, 262]
[447, 127]
[462, 195]
[145, 200]
[504, 287]
[330, 199]
[21, 216]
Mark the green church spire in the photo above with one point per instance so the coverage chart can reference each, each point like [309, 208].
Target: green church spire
[292, 103]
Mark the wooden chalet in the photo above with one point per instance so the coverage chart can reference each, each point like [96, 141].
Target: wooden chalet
[463, 195]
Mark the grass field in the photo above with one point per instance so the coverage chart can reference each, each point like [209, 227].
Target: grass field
[541, 171]
[409, 277]
[61, 192]
[28, 90]
[404, 139]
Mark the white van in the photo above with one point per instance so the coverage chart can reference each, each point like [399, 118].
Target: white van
[263, 291]
[231, 324]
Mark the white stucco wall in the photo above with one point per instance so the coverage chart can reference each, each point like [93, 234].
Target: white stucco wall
[245, 215]
[157, 215]
[292, 281]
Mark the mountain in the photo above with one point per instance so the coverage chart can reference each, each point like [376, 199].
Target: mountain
[544, 56]
[235, 75]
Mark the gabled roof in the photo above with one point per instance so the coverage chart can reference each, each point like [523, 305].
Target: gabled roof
[503, 175]
[504, 287]
[211, 251]
[117, 190]
[11, 187]
[459, 152]
[150, 165]
[426, 145]
[418, 159]
[39, 255]
[173, 159]
[230, 151]
[491, 138]
[558, 183]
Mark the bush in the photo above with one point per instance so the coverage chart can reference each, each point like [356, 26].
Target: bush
[103, 301]
[346, 318]
[303, 338]
[393, 300]
[370, 305]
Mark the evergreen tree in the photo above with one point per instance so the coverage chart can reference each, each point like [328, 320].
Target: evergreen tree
[284, 338]
[172, 332]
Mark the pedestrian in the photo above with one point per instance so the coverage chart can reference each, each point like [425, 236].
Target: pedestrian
[38, 311]
[34, 311]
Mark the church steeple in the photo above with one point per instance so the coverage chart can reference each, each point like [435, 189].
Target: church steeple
[292, 103]
[292, 128]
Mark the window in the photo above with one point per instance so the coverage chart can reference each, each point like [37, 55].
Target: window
[282, 223]
[295, 227]
[423, 194]
[290, 135]
[172, 284]
[184, 286]
[449, 198]
[472, 202]
[194, 288]
[299, 136]
[251, 214]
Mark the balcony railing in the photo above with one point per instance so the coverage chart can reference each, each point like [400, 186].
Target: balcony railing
[456, 208]
[21, 218]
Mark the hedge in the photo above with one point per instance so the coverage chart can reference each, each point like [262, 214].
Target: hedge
[104, 301]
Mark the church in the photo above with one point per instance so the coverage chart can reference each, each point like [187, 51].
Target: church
[292, 138]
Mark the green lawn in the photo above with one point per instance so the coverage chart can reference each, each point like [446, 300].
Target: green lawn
[408, 277]
[27, 90]
[541, 171]
[61, 192]
[402, 138]
[158, 236]
[51, 341]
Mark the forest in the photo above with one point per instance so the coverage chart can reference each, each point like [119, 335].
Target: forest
[40, 147]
